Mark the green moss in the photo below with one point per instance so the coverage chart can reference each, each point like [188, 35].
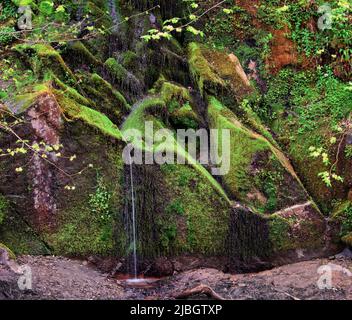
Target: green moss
[252, 120]
[129, 60]
[22, 102]
[170, 92]
[43, 58]
[343, 215]
[83, 234]
[3, 208]
[303, 109]
[251, 152]
[243, 146]
[175, 207]
[185, 117]
[279, 233]
[200, 68]
[80, 50]
[116, 70]
[11, 254]
[136, 120]
[72, 92]
[90, 117]
[20, 237]
[89, 219]
[196, 217]
[103, 91]
[6, 36]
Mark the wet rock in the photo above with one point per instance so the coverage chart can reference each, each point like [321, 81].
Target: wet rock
[346, 253]
[161, 267]
[349, 196]
[105, 265]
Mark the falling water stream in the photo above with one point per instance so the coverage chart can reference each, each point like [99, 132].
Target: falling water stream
[134, 234]
[133, 279]
[115, 16]
[133, 216]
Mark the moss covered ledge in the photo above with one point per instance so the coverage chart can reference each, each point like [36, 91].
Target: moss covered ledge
[90, 116]
[44, 58]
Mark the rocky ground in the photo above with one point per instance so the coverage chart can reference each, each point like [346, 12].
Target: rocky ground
[61, 278]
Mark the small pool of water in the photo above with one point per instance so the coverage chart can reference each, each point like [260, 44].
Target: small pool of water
[139, 282]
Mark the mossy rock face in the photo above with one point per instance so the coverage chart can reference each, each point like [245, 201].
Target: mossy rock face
[297, 227]
[130, 60]
[102, 97]
[43, 58]
[88, 217]
[305, 109]
[20, 103]
[259, 174]
[82, 55]
[179, 104]
[151, 110]
[214, 71]
[3, 208]
[88, 135]
[171, 92]
[201, 70]
[343, 216]
[118, 72]
[177, 213]
[90, 117]
[19, 236]
[256, 241]
[185, 117]
[124, 78]
[201, 216]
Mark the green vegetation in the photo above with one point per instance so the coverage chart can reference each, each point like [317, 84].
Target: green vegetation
[118, 72]
[279, 229]
[343, 214]
[8, 11]
[99, 202]
[268, 189]
[200, 64]
[6, 36]
[3, 208]
[200, 68]
[199, 213]
[91, 117]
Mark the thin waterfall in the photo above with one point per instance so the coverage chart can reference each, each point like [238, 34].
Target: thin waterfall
[134, 233]
[130, 216]
[115, 15]
[130, 213]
